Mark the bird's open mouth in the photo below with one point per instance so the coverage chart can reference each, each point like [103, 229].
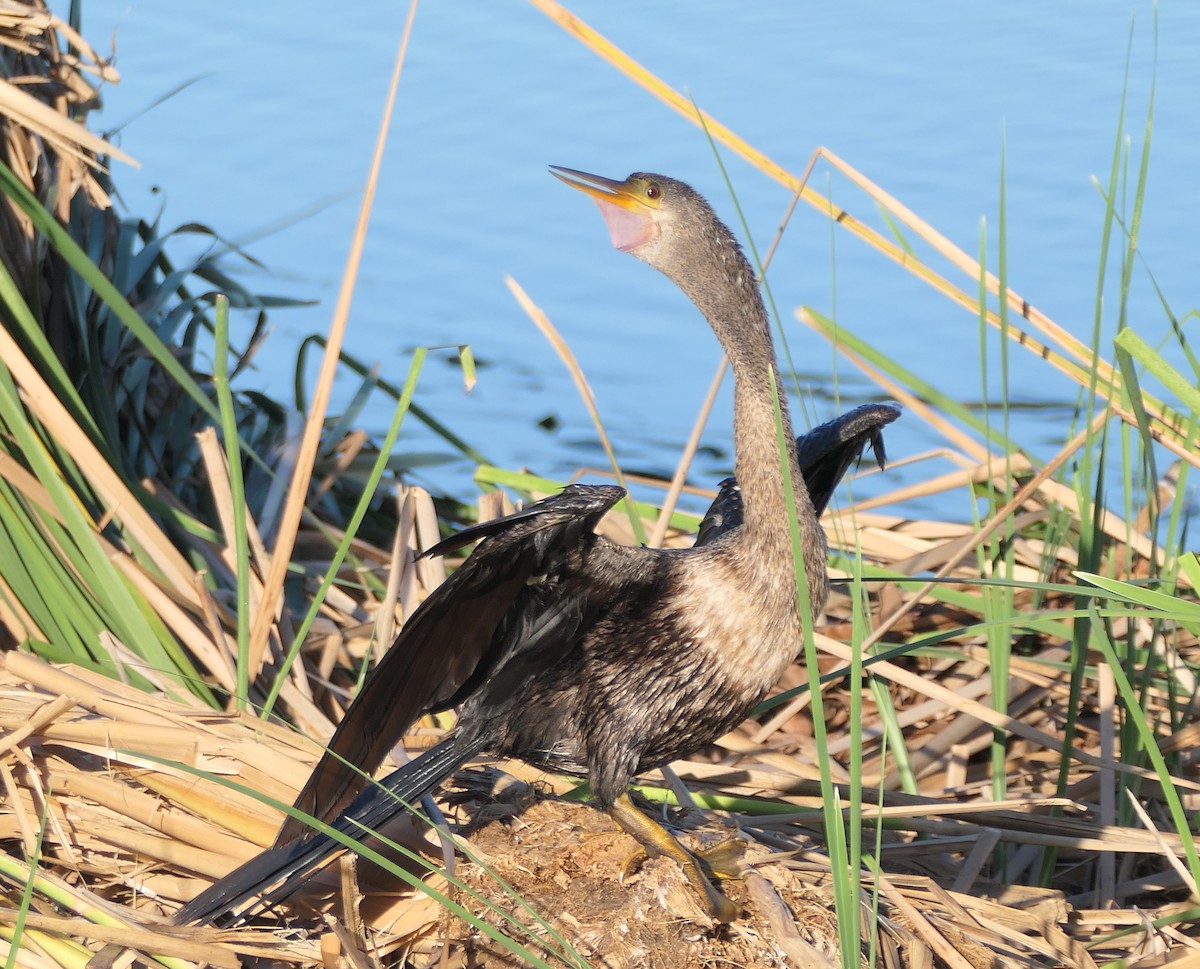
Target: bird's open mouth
[629, 218]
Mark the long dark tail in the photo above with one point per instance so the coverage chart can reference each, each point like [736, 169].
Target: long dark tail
[277, 872]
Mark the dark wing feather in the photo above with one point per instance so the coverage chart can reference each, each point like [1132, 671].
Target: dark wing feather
[724, 513]
[574, 501]
[827, 451]
[824, 454]
[448, 645]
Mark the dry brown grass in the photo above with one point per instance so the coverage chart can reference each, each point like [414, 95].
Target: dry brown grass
[121, 796]
[133, 836]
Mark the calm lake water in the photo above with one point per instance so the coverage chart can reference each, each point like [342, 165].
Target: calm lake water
[269, 144]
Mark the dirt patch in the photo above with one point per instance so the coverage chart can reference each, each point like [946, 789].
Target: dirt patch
[583, 876]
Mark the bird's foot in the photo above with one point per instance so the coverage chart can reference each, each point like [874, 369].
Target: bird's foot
[721, 861]
[653, 835]
[724, 859]
[716, 904]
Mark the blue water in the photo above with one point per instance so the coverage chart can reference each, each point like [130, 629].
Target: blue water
[270, 144]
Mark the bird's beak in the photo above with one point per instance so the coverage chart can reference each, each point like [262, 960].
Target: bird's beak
[629, 217]
[598, 187]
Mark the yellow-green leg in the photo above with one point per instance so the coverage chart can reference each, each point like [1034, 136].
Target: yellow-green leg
[653, 836]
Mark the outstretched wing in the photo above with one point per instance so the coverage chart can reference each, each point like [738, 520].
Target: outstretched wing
[824, 454]
[448, 645]
[827, 451]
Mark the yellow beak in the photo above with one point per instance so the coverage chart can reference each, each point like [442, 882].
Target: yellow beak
[632, 220]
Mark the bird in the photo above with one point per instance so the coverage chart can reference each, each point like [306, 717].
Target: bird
[572, 652]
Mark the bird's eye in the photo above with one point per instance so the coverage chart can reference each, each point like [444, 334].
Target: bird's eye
[653, 191]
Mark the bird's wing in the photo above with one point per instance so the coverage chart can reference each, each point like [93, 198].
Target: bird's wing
[723, 514]
[450, 642]
[824, 454]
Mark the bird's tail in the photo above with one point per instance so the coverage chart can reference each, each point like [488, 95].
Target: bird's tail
[277, 872]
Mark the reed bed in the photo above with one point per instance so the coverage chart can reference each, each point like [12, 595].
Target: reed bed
[126, 797]
[1007, 774]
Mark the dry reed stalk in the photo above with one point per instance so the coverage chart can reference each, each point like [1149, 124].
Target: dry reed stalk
[571, 362]
[662, 524]
[49, 411]
[297, 494]
[44, 98]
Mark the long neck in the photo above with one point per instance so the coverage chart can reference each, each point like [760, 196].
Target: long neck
[729, 299]
[735, 311]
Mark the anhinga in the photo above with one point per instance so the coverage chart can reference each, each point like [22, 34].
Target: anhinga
[580, 655]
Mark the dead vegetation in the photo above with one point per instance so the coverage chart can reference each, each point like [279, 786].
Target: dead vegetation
[133, 824]
[1038, 834]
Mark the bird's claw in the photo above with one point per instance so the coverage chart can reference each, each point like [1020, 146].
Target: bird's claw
[633, 861]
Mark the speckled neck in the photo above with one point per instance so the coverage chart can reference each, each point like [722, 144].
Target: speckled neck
[726, 292]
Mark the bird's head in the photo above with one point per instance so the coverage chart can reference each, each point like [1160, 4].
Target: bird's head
[646, 214]
[669, 225]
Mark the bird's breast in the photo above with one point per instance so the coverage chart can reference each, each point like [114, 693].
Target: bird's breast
[745, 619]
